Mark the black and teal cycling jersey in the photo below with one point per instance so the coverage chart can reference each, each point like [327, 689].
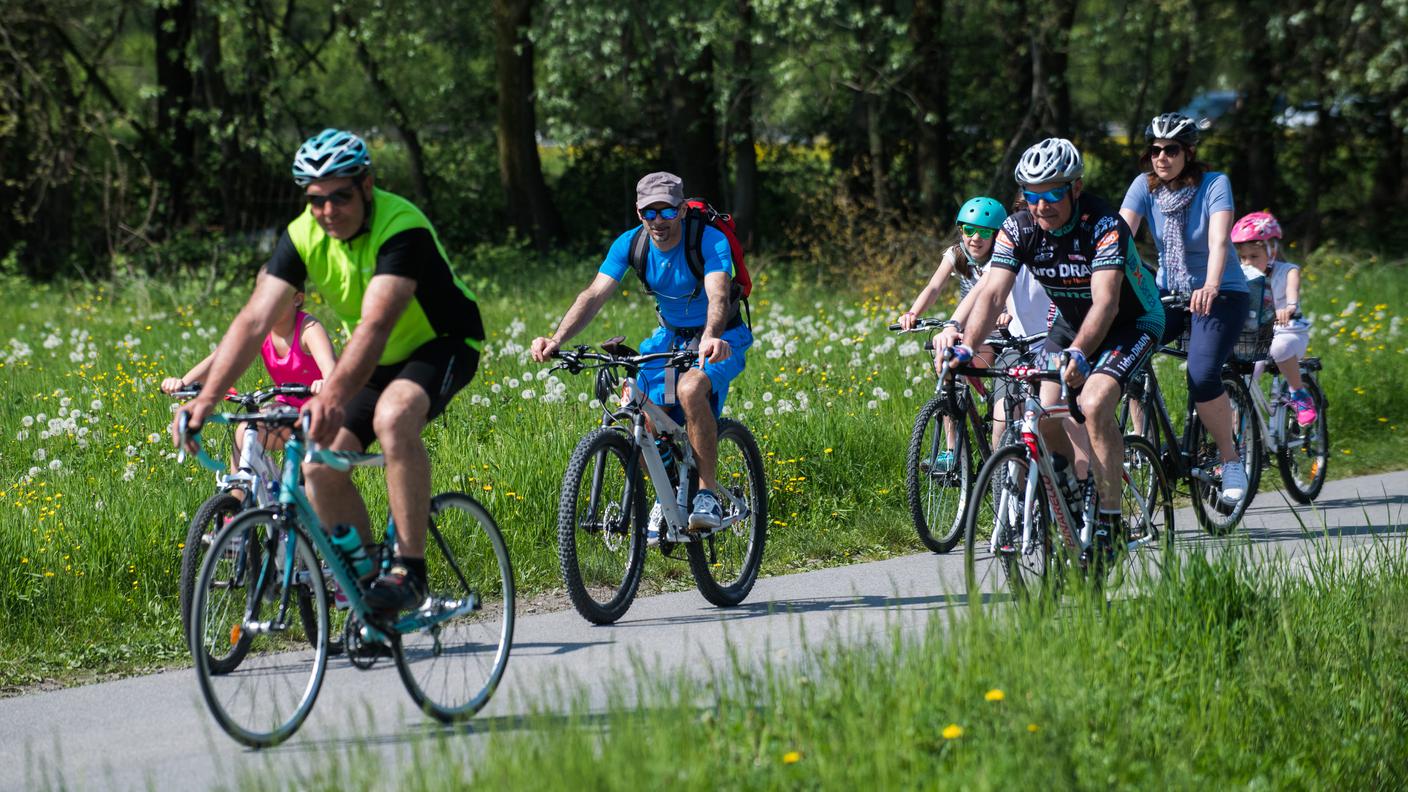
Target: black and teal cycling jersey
[399, 240]
[1096, 239]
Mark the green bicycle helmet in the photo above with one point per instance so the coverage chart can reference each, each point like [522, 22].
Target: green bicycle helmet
[981, 211]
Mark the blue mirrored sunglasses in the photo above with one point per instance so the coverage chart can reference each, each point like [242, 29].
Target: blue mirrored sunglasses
[1050, 196]
[669, 213]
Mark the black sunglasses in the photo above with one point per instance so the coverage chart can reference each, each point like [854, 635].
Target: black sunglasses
[337, 197]
[1172, 150]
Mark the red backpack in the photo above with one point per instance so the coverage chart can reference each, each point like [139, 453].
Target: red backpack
[698, 214]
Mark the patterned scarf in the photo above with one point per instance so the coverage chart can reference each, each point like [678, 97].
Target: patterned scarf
[1173, 204]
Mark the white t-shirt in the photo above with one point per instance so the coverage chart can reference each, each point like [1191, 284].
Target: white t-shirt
[1028, 305]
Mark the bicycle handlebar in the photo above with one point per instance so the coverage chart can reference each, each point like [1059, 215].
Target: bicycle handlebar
[251, 399]
[919, 325]
[572, 359]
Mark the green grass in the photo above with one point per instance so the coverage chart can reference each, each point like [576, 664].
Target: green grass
[1225, 673]
[89, 550]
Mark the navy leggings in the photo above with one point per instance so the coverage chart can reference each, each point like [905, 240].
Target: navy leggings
[1210, 342]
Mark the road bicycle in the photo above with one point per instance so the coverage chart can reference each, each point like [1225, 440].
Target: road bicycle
[1302, 452]
[602, 509]
[450, 651]
[950, 441]
[256, 480]
[1192, 456]
[1022, 527]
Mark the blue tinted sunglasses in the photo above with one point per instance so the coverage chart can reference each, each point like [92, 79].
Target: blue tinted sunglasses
[668, 213]
[1050, 196]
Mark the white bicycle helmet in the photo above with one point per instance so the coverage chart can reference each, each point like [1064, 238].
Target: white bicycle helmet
[1172, 126]
[1051, 160]
[330, 154]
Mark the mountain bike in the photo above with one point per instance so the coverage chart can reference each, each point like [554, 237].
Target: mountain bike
[1021, 526]
[1192, 456]
[257, 480]
[602, 509]
[1302, 452]
[450, 651]
[950, 441]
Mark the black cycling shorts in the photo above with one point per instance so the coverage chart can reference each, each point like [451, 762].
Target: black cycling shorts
[1121, 355]
[441, 367]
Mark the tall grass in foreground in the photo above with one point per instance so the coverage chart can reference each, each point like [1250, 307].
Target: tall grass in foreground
[1225, 673]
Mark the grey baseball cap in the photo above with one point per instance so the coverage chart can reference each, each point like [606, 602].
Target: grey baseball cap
[659, 187]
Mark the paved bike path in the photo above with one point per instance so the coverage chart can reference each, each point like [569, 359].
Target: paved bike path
[154, 732]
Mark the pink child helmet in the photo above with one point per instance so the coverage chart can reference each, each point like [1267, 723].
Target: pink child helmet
[1256, 227]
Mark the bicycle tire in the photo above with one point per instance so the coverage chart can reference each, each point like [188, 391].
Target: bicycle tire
[741, 545]
[999, 505]
[601, 551]
[1311, 446]
[466, 559]
[209, 518]
[256, 684]
[1214, 514]
[1146, 506]
[937, 499]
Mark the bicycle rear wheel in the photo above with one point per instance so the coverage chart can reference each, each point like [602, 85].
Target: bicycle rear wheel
[1304, 456]
[937, 492]
[601, 526]
[212, 515]
[263, 700]
[725, 564]
[1146, 506]
[996, 550]
[451, 667]
[1215, 514]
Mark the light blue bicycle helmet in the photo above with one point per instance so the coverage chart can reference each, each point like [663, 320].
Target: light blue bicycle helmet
[330, 154]
[981, 211]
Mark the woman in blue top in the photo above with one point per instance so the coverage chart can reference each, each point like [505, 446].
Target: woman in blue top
[1189, 209]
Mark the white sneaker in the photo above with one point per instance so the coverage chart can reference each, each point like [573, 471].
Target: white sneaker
[707, 514]
[1234, 480]
[655, 525]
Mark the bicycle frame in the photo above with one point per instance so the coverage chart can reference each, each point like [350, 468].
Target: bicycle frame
[1180, 460]
[644, 413]
[1270, 418]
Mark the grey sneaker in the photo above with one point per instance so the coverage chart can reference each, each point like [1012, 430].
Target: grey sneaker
[707, 514]
[655, 525]
[1234, 481]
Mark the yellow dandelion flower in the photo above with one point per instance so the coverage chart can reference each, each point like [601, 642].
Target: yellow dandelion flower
[1032, 727]
[826, 451]
[488, 487]
[994, 695]
[952, 731]
[792, 757]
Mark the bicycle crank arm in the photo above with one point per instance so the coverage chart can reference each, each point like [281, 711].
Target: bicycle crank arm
[264, 627]
[436, 611]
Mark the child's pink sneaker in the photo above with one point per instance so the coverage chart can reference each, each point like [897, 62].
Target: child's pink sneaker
[1304, 407]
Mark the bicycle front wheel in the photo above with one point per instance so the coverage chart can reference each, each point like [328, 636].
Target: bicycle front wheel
[453, 658]
[601, 526]
[1304, 456]
[937, 477]
[212, 515]
[1216, 514]
[1001, 545]
[247, 594]
[725, 564]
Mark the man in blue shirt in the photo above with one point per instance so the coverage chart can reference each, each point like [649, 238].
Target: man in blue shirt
[691, 317]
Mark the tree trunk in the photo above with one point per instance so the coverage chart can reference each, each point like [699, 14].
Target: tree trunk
[745, 153]
[930, 91]
[694, 144]
[1057, 53]
[530, 206]
[876, 140]
[173, 161]
[399, 120]
[1254, 171]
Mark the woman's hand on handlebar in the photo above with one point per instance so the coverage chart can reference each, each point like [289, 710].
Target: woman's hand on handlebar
[907, 320]
[171, 384]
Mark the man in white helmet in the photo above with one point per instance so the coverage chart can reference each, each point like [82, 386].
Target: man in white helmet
[1082, 253]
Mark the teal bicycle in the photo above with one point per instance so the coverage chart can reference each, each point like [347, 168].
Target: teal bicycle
[451, 651]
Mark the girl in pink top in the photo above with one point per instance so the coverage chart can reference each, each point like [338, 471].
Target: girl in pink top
[296, 351]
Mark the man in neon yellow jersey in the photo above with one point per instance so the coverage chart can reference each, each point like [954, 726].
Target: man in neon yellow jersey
[415, 338]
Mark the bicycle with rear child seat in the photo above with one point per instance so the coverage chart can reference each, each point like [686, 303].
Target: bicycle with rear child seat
[450, 651]
[602, 508]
